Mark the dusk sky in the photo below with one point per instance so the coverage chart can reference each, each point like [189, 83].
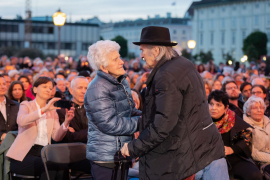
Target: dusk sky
[105, 10]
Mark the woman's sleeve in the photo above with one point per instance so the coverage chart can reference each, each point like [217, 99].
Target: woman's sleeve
[58, 132]
[24, 117]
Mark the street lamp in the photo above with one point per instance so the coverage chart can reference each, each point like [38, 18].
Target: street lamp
[191, 45]
[59, 19]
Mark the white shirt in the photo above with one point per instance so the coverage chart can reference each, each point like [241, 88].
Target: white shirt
[42, 137]
[3, 108]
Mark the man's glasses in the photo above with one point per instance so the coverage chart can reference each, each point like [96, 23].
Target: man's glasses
[231, 88]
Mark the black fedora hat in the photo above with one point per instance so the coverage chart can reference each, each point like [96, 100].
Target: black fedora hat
[155, 35]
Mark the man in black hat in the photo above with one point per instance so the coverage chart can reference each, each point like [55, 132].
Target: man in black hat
[177, 135]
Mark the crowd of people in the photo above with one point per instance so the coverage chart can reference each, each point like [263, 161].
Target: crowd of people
[238, 99]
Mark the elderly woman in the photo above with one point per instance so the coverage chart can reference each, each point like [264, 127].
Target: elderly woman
[254, 115]
[260, 91]
[229, 125]
[110, 109]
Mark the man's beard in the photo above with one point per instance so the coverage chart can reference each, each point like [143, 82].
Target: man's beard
[234, 97]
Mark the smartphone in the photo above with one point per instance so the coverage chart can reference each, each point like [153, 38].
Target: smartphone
[64, 104]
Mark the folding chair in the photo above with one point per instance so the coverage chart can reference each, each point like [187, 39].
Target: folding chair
[65, 153]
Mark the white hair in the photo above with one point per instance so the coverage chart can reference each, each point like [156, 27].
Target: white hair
[226, 79]
[251, 101]
[167, 52]
[257, 81]
[39, 62]
[13, 72]
[58, 70]
[98, 53]
[43, 70]
[72, 84]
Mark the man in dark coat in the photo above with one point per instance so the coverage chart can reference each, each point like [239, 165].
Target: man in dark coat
[177, 135]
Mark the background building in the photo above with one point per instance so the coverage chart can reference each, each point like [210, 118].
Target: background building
[221, 26]
[75, 37]
[180, 30]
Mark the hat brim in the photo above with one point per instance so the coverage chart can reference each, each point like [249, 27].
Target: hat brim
[157, 43]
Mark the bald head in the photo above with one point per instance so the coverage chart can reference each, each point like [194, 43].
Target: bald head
[257, 81]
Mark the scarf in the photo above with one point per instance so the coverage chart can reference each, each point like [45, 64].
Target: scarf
[227, 122]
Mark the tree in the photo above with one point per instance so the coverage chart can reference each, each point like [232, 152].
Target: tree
[186, 54]
[31, 53]
[228, 56]
[123, 44]
[9, 51]
[255, 45]
[204, 57]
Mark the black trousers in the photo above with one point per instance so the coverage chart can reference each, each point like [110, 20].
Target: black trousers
[247, 171]
[32, 165]
[105, 173]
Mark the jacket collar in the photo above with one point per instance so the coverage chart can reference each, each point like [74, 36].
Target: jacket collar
[153, 72]
[239, 125]
[110, 78]
[265, 119]
[10, 102]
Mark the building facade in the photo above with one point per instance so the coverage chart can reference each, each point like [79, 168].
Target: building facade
[180, 30]
[221, 26]
[75, 37]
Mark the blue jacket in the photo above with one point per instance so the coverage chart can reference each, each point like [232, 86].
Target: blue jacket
[112, 117]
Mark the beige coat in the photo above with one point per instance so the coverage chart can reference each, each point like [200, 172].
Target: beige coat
[260, 140]
[27, 120]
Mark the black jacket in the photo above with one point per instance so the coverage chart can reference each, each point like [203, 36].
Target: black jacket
[177, 135]
[79, 123]
[12, 109]
[238, 110]
[239, 147]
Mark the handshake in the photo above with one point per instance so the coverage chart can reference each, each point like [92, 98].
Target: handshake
[124, 149]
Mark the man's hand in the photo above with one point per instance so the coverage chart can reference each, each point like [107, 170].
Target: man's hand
[71, 129]
[228, 150]
[3, 137]
[124, 150]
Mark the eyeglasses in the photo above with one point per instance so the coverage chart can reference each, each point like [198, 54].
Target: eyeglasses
[231, 88]
[257, 92]
[258, 108]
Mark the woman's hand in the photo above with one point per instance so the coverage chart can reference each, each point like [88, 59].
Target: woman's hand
[228, 150]
[50, 106]
[71, 130]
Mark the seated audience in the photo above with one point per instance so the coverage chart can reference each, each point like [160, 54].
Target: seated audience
[254, 115]
[237, 152]
[260, 91]
[245, 89]
[79, 125]
[38, 122]
[16, 92]
[86, 74]
[8, 111]
[230, 87]
[27, 86]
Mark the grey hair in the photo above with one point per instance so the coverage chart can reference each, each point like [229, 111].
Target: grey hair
[167, 51]
[59, 79]
[72, 84]
[251, 101]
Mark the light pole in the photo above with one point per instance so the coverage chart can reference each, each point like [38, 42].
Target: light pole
[59, 19]
[191, 45]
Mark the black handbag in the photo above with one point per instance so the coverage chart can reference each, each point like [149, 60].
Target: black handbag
[122, 165]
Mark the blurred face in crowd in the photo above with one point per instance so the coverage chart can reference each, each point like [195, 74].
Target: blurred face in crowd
[30, 78]
[44, 91]
[217, 85]
[60, 76]
[217, 109]
[51, 75]
[14, 60]
[134, 79]
[25, 83]
[61, 85]
[149, 54]
[78, 90]
[53, 92]
[256, 111]
[258, 92]
[16, 76]
[17, 91]
[232, 91]
[246, 92]
[207, 90]
[115, 65]
[3, 86]
[8, 81]
[220, 78]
